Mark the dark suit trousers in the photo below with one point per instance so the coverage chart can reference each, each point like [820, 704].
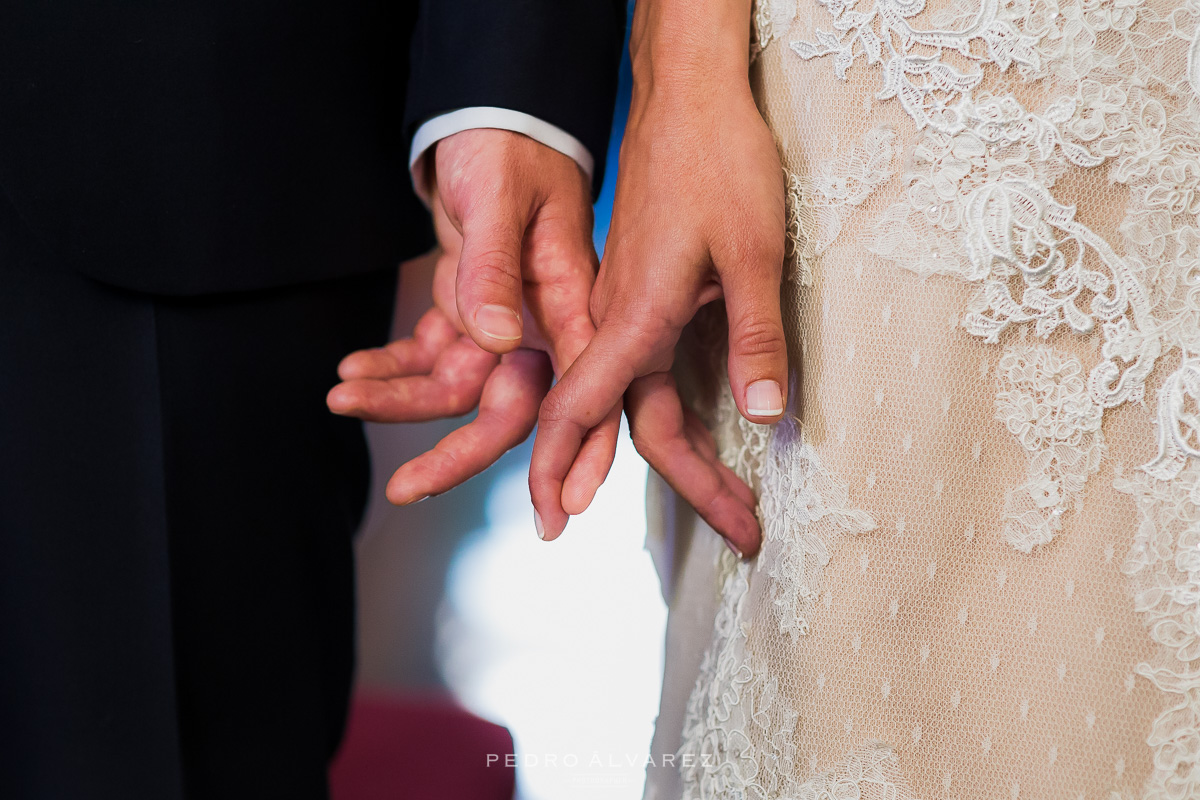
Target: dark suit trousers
[176, 514]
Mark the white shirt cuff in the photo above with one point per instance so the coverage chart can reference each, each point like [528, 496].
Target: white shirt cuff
[505, 119]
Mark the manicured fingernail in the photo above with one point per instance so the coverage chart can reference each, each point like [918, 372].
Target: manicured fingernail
[499, 322]
[732, 549]
[537, 523]
[764, 399]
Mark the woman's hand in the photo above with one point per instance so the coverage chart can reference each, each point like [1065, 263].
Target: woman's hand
[511, 285]
[699, 215]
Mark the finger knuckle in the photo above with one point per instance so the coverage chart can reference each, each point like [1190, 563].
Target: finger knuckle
[446, 462]
[598, 305]
[647, 320]
[710, 506]
[459, 402]
[560, 413]
[766, 249]
[490, 271]
[749, 245]
[555, 411]
[759, 337]
[647, 446]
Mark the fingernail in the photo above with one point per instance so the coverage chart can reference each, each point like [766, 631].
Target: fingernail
[732, 549]
[498, 322]
[537, 523]
[764, 399]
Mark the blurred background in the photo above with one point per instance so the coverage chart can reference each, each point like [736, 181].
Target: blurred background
[559, 642]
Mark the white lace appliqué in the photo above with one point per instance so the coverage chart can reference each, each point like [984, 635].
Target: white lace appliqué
[1178, 422]
[817, 205]
[1010, 113]
[980, 206]
[738, 730]
[928, 88]
[737, 734]
[980, 203]
[868, 774]
[798, 493]
[767, 15]
[1163, 567]
[1043, 401]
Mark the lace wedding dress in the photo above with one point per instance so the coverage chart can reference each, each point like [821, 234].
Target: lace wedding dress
[981, 566]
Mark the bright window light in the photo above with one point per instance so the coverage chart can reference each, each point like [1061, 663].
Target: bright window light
[562, 642]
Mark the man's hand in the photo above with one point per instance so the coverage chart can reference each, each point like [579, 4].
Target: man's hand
[511, 289]
[699, 215]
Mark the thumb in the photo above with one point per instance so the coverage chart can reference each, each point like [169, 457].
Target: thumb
[560, 270]
[758, 367]
[488, 283]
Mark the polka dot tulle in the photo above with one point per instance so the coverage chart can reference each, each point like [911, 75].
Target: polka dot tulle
[981, 569]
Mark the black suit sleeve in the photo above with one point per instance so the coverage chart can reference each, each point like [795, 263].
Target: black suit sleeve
[553, 59]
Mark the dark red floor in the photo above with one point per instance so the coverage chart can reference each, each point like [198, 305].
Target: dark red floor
[415, 747]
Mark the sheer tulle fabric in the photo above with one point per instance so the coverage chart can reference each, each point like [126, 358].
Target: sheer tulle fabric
[981, 569]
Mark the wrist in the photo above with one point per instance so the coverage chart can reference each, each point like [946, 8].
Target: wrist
[691, 45]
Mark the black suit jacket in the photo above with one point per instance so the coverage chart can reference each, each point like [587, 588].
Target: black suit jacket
[194, 146]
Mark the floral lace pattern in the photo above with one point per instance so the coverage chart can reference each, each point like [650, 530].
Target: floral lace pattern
[867, 775]
[929, 88]
[1011, 231]
[1164, 569]
[1178, 422]
[797, 493]
[817, 205]
[737, 739]
[763, 31]
[1039, 159]
[1043, 401]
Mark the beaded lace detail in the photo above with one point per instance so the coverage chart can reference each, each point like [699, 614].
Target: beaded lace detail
[981, 565]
